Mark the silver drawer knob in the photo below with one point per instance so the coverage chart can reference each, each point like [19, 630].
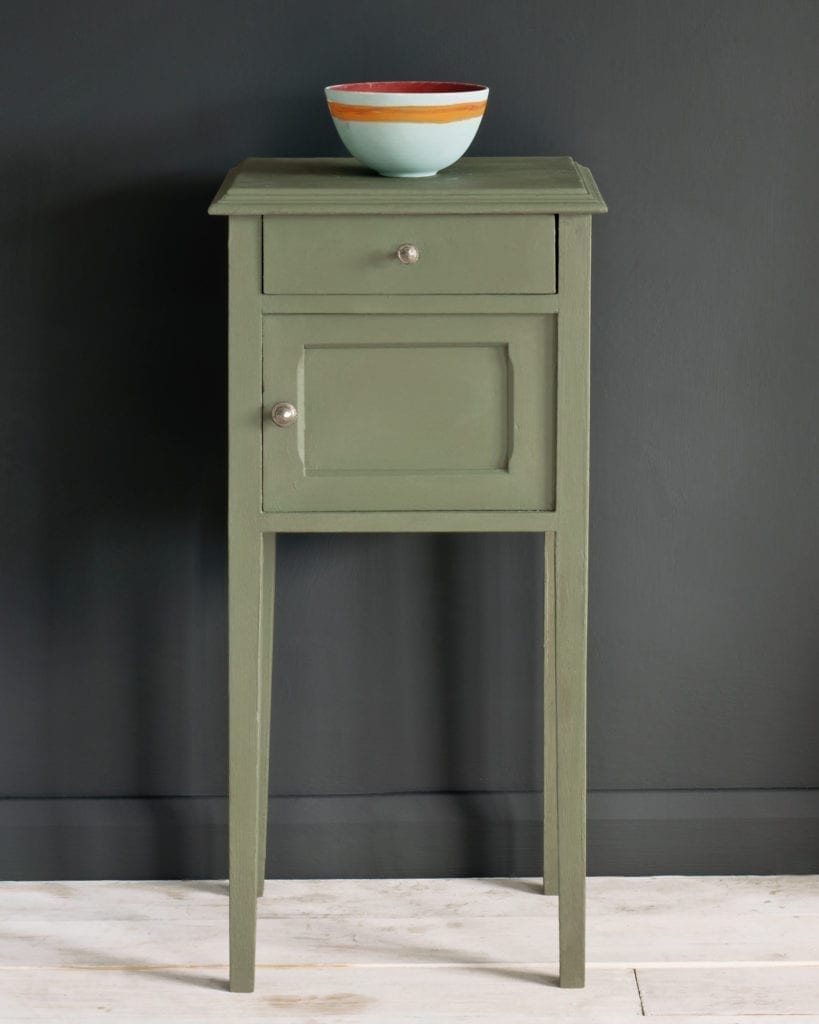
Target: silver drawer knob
[408, 253]
[283, 414]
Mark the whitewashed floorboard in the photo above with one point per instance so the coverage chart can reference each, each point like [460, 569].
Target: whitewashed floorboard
[363, 941]
[93, 901]
[262, 1015]
[738, 990]
[402, 951]
[318, 1015]
[523, 993]
[757, 895]
[630, 922]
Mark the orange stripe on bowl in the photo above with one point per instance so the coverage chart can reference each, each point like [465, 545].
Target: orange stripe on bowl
[438, 114]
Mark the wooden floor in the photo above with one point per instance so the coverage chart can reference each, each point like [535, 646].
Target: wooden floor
[705, 950]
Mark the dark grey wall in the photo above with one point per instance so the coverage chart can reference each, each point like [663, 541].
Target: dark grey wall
[405, 737]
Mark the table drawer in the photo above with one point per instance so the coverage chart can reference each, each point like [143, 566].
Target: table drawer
[502, 254]
[420, 412]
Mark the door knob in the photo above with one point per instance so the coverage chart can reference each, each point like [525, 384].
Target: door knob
[408, 253]
[283, 414]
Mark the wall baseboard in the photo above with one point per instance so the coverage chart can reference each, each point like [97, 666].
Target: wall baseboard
[412, 835]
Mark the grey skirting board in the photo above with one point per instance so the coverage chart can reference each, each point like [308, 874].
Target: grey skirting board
[412, 835]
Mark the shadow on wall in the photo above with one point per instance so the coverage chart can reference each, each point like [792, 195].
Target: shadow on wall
[125, 303]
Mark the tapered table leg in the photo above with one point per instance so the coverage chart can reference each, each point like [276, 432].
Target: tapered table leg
[549, 723]
[571, 575]
[571, 764]
[244, 601]
[265, 688]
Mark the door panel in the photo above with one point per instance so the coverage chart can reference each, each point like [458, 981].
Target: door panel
[439, 408]
[421, 412]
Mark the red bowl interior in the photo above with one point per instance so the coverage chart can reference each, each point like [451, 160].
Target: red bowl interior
[408, 87]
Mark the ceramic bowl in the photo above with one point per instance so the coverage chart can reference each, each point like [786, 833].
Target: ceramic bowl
[407, 129]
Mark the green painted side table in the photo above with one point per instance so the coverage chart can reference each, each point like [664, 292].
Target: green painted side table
[409, 355]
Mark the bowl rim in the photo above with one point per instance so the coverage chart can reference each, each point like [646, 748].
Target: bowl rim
[410, 87]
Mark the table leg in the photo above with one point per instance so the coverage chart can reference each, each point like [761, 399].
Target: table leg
[571, 577]
[549, 724]
[244, 600]
[570, 607]
[265, 688]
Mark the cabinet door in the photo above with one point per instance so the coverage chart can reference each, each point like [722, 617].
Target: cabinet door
[417, 412]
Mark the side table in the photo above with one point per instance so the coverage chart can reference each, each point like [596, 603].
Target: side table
[409, 355]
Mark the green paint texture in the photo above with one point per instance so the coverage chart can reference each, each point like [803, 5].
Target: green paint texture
[449, 394]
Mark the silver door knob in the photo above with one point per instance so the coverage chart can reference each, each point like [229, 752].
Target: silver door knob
[408, 253]
[283, 414]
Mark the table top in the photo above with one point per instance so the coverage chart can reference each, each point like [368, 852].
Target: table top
[492, 184]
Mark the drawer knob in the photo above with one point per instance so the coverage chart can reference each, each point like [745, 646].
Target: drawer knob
[283, 414]
[408, 253]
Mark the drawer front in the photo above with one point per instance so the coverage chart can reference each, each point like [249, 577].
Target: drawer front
[501, 254]
[420, 412]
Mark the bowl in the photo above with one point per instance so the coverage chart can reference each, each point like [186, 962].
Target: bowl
[407, 129]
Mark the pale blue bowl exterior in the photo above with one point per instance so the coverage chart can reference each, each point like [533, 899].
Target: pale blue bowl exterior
[401, 149]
